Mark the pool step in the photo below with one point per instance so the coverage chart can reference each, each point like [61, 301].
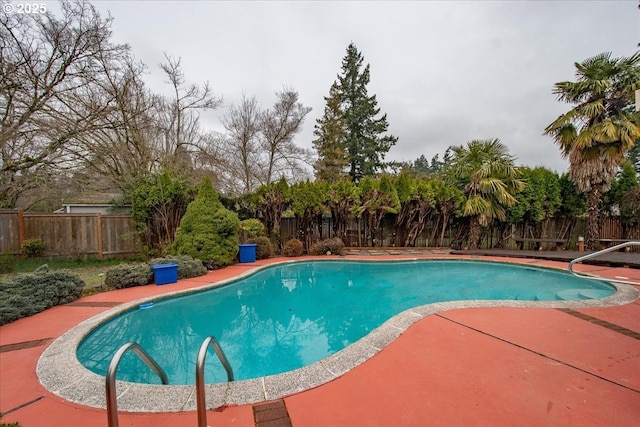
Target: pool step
[578, 294]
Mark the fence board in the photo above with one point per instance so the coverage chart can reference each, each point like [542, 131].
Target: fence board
[9, 233]
[118, 236]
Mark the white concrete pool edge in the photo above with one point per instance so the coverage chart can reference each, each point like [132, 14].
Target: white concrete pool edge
[60, 372]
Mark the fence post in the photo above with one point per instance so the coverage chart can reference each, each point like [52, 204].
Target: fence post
[21, 232]
[99, 234]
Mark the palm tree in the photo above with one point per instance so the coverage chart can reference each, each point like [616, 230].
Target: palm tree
[600, 129]
[485, 172]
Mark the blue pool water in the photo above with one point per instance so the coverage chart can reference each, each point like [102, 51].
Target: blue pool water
[288, 316]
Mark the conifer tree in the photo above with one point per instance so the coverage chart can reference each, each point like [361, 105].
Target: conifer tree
[363, 138]
[330, 132]
[208, 231]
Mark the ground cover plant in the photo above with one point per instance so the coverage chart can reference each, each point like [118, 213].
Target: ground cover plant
[2, 424]
[91, 270]
[187, 266]
[31, 293]
[30, 287]
[128, 275]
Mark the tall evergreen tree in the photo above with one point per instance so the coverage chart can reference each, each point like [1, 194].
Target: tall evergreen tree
[363, 138]
[330, 132]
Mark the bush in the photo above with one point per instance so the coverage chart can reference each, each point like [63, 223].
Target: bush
[251, 228]
[6, 264]
[187, 266]
[293, 247]
[128, 275]
[33, 248]
[264, 249]
[333, 246]
[32, 293]
[208, 231]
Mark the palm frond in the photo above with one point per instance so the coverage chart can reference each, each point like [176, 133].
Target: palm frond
[492, 185]
[475, 205]
[561, 122]
[592, 109]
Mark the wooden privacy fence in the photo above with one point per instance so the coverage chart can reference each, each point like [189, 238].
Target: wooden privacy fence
[67, 235]
[610, 228]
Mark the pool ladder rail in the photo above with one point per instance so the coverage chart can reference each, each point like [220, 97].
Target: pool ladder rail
[112, 399]
[200, 392]
[110, 387]
[603, 251]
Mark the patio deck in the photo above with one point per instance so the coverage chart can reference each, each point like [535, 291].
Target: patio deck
[613, 259]
[472, 366]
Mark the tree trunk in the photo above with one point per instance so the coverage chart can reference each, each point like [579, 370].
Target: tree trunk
[593, 219]
[445, 222]
[474, 234]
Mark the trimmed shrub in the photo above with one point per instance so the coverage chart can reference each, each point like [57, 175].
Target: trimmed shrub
[264, 249]
[333, 246]
[208, 231]
[251, 228]
[32, 293]
[33, 248]
[187, 266]
[128, 275]
[292, 248]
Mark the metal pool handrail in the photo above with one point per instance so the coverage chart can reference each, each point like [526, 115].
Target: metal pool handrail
[603, 251]
[200, 393]
[112, 400]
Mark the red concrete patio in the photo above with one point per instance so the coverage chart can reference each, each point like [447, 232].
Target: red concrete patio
[465, 367]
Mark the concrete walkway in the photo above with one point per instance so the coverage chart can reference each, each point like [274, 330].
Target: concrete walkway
[466, 367]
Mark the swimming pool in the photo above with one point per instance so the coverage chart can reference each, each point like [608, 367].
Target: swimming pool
[288, 316]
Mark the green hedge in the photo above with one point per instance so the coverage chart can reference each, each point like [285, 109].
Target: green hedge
[32, 293]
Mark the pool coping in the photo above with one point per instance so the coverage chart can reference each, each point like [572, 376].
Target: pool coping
[59, 370]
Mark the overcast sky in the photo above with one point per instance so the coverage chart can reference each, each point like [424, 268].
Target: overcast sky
[444, 72]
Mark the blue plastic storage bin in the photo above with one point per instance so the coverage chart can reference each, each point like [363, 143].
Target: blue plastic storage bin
[165, 273]
[247, 252]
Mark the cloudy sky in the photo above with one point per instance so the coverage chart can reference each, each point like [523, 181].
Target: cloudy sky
[445, 72]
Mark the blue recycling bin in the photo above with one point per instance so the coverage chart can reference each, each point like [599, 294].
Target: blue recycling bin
[247, 252]
[165, 273]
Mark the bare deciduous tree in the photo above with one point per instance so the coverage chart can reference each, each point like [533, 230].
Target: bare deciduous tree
[258, 146]
[119, 148]
[46, 65]
[278, 126]
[241, 146]
[178, 117]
